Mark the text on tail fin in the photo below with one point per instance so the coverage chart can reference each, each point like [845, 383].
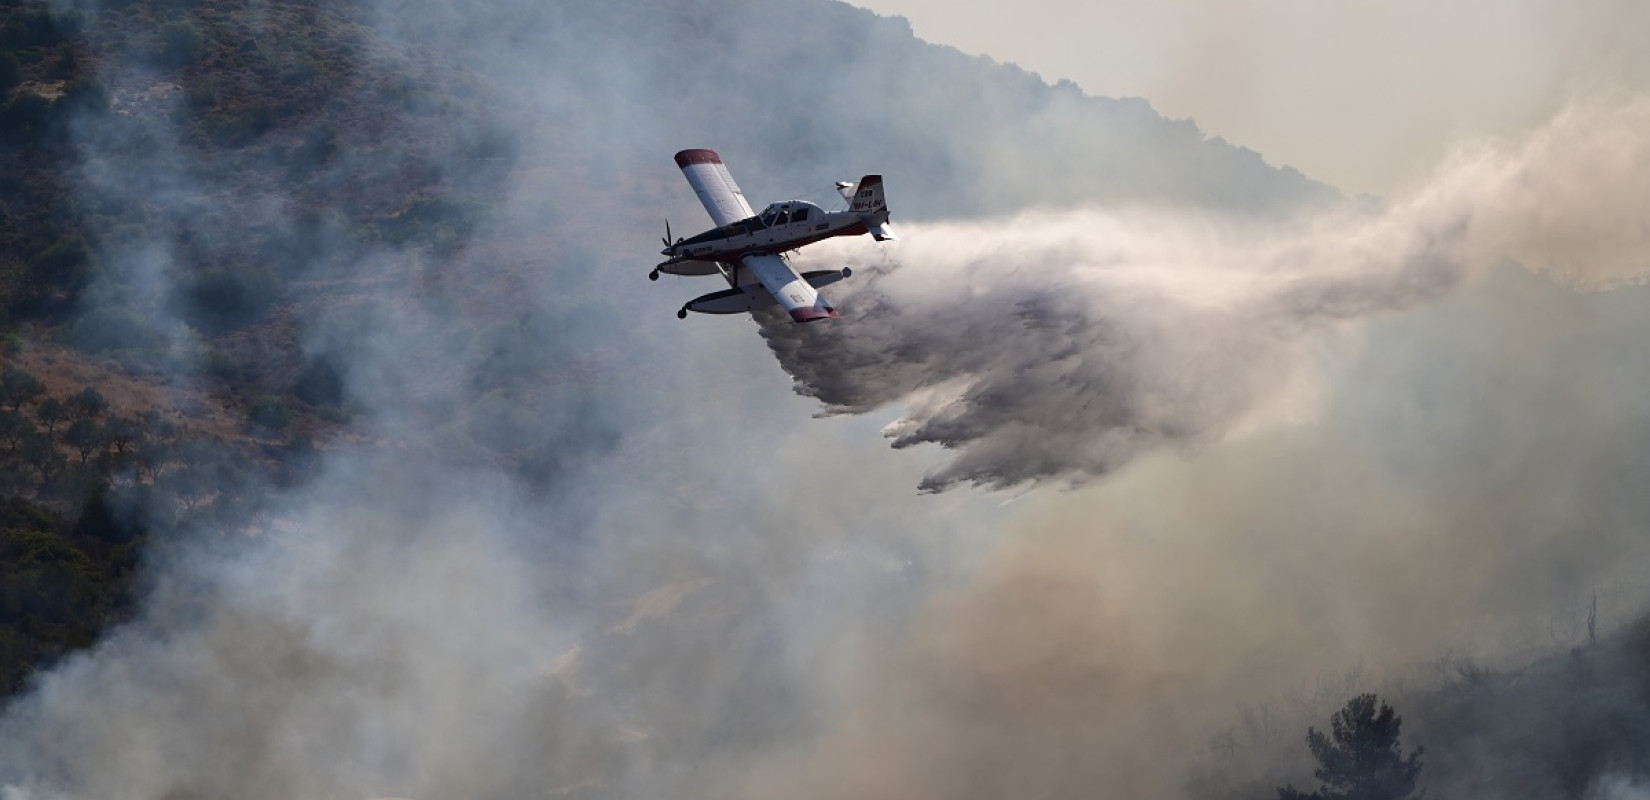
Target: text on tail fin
[868, 195]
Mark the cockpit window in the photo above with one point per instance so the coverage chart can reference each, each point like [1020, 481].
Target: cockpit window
[784, 218]
[799, 215]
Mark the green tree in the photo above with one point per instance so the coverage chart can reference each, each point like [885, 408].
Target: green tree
[13, 428]
[85, 436]
[193, 484]
[36, 27]
[88, 402]
[1360, 758]
[40, 452]
[122, 433]
[107, 517]
[152, 458]
[51, 412]
[156, 426]
[19, 387]
[179, 44]
[14, 480]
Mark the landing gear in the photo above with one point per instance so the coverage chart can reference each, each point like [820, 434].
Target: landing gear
[653, 276]
[681, 313]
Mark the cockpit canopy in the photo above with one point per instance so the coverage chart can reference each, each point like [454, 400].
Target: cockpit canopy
[788, 212]
[774, 215]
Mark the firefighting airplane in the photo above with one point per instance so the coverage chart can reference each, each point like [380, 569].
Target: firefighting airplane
[748, 249]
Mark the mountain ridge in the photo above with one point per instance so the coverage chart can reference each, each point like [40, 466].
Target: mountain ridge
[230, 193]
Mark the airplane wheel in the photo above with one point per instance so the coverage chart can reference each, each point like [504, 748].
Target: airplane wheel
[847, 273]
[653, 276]
[681, 313]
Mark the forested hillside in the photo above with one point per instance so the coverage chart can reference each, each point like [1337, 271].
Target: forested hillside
[243, 242]
[197, 194]
[152, 376]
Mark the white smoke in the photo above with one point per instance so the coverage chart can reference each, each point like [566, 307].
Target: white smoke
[404, 629]
[1618, 787]
[1059, 345]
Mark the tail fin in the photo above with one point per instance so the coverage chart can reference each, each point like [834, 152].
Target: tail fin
[868, 195]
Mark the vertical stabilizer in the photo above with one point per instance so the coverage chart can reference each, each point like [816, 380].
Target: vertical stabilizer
[868, 195]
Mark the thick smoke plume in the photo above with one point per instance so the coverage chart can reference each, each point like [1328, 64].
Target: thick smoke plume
[1059, 345]
[696, 593]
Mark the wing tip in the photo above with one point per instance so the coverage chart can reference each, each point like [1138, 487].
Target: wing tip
[697, 155]
[812, 313]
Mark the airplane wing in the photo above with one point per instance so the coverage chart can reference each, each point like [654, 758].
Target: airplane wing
[714, 185]
[726, 204]
[792, 291]
[749, 294]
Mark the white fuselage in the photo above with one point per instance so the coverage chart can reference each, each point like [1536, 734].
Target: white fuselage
[781, 227]
[748, 249]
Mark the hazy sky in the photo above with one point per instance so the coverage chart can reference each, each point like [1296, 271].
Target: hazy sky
[1364, 94]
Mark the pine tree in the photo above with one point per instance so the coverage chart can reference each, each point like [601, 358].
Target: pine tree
[1360, 758]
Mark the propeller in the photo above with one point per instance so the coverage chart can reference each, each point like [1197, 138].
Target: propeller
[667, 233]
